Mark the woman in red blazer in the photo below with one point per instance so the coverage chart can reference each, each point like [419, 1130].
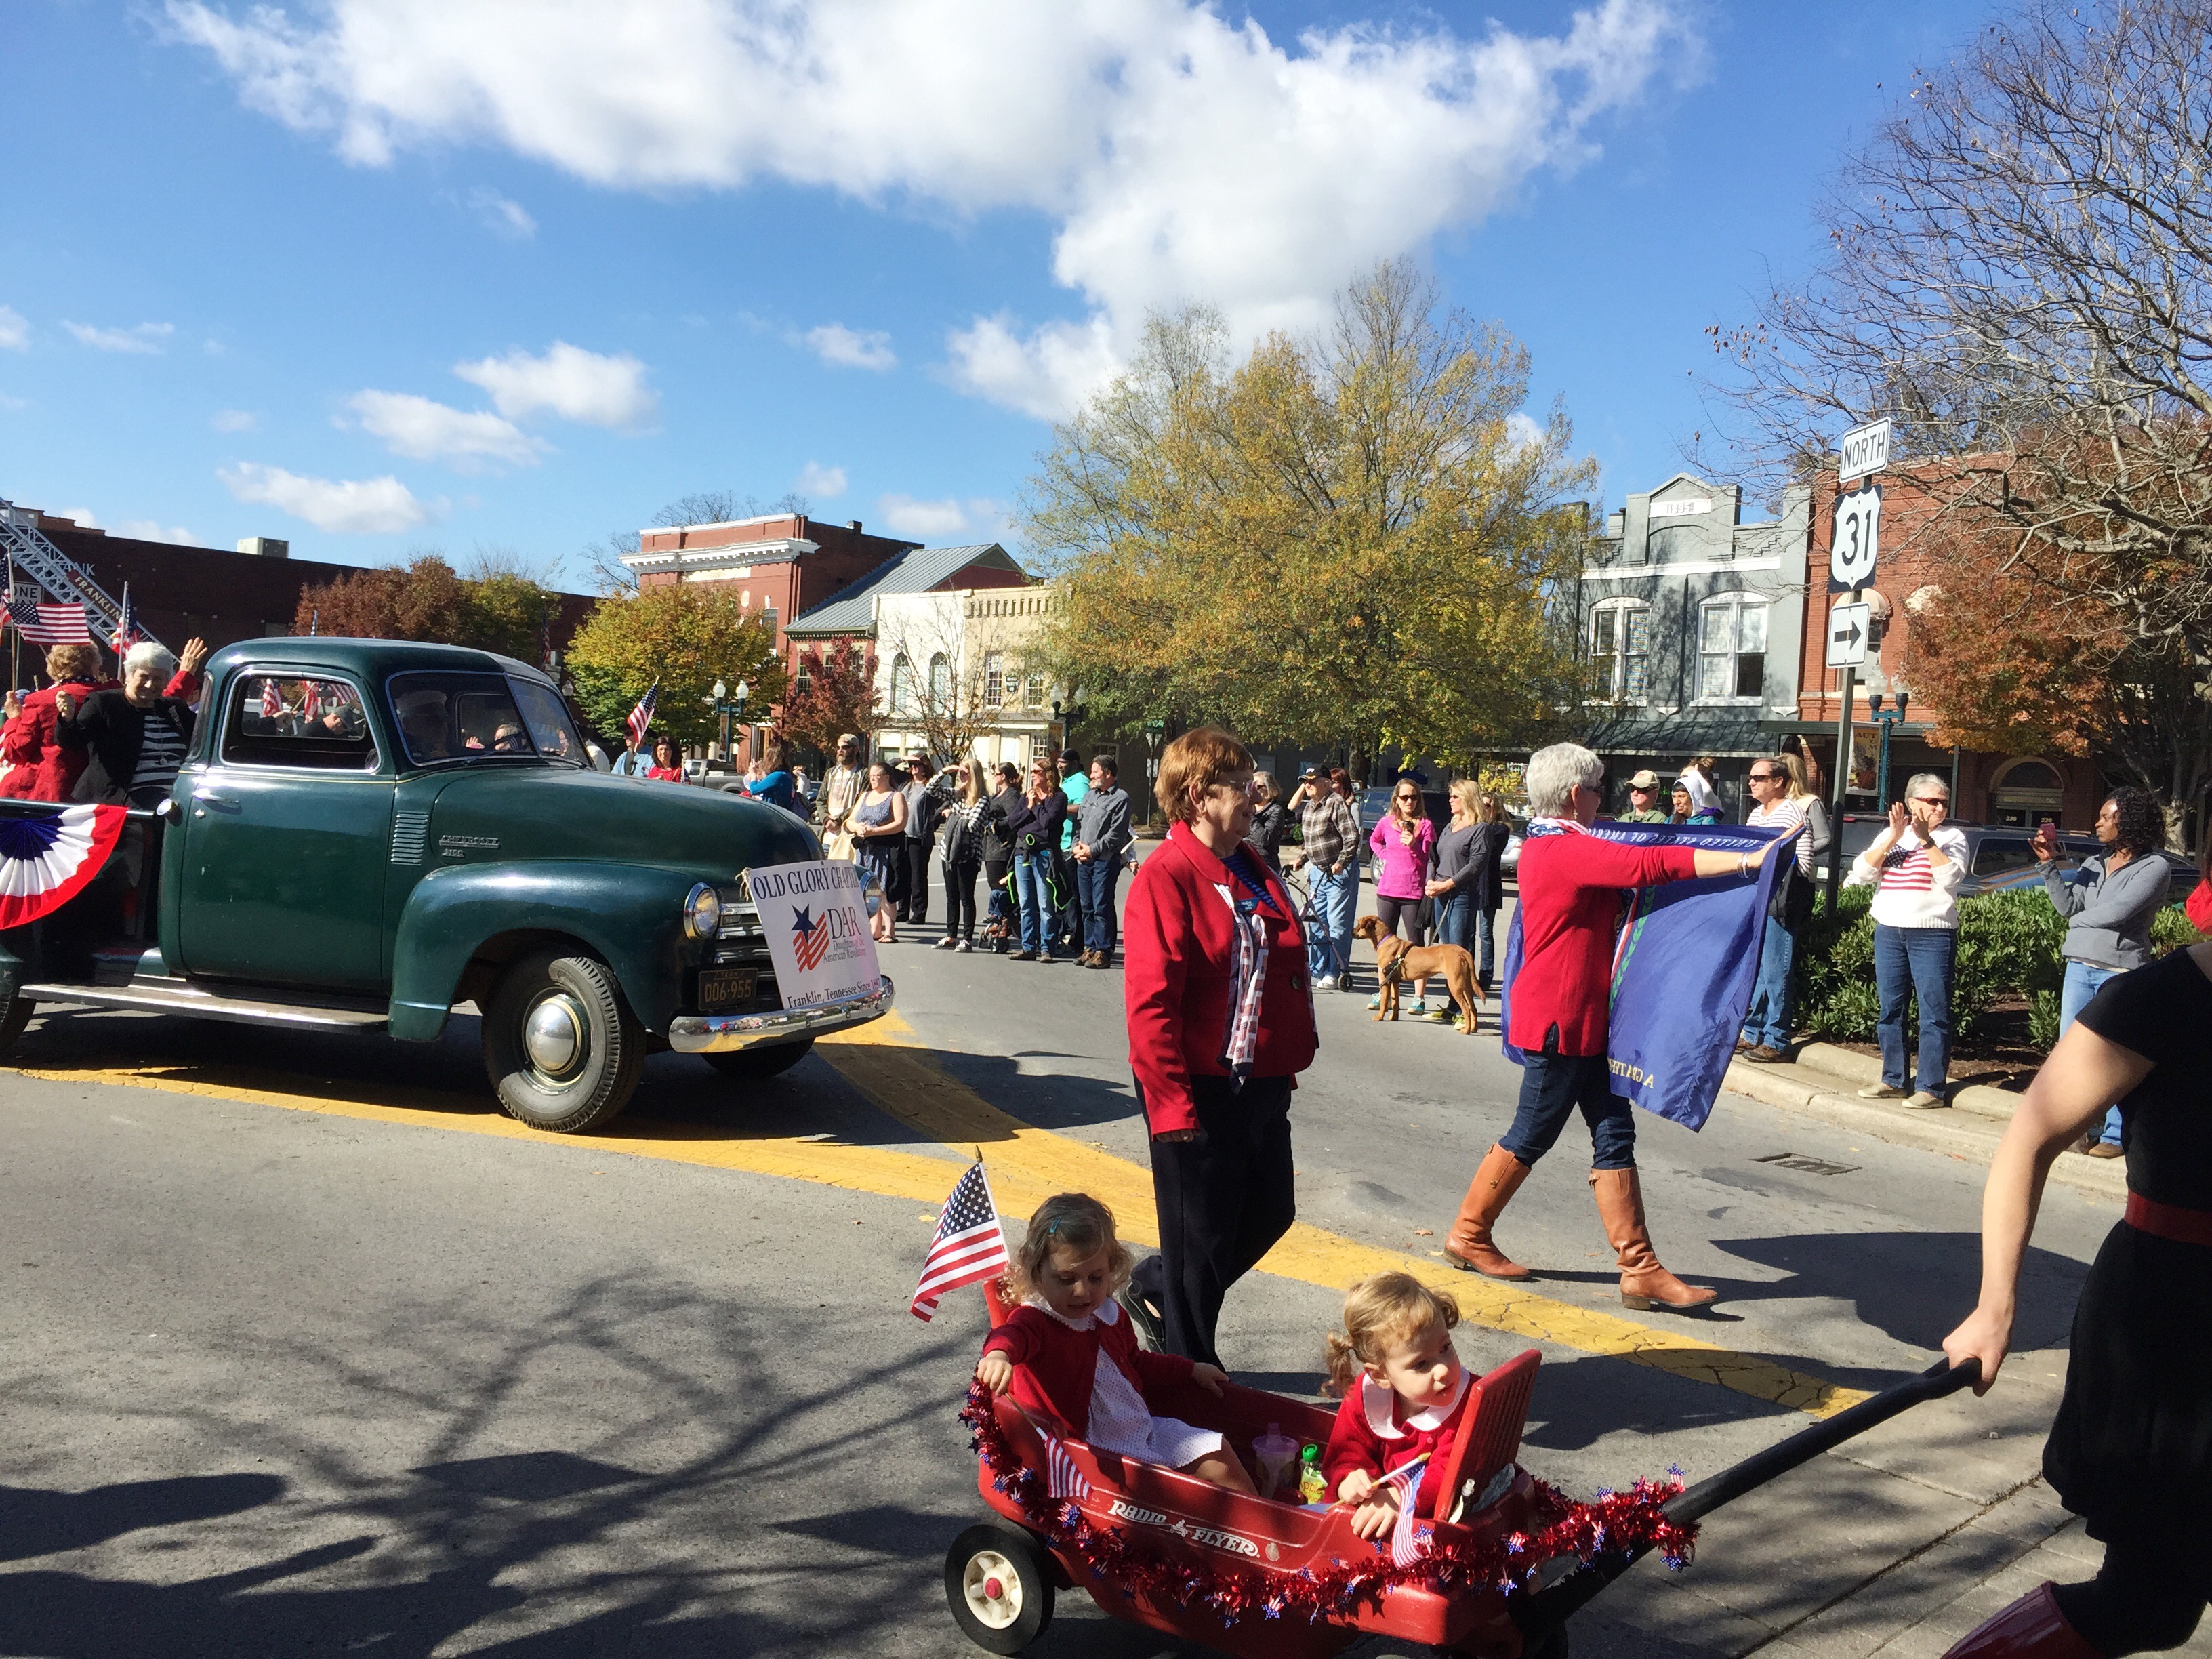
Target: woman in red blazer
[1221, 1022]
[1571, 886]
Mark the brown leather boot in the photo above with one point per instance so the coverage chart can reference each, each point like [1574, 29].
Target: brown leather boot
[1643, 1282]
[1469, 1247]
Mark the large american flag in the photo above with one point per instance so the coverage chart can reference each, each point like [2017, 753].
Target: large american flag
[970, 1243]
[47, 624]
[640, 717]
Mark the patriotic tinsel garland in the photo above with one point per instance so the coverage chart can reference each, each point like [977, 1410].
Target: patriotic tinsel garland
[1617, 1522]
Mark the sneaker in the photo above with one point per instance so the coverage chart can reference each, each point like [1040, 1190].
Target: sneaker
[1926, 1100]
[1326, 982]
[2105, 1149]
[1022, 956]
[1881, 1091]
[1046, 955]
[1445, 1013]
[963, 945]
[1375, 1001]
[1419, 1010]
[946, 944]
[1766, 1054]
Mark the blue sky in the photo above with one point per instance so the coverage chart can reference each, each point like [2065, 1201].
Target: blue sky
[385, 274]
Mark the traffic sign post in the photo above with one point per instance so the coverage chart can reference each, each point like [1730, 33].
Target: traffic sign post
[1853, 546]
[1856, 540]
[1850, 629]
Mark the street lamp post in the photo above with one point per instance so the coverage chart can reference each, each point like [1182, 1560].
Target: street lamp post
[726, 701]
[1887, 719]
[1156, 733]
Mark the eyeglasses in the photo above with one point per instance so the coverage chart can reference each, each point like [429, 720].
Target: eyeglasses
[1943, 801]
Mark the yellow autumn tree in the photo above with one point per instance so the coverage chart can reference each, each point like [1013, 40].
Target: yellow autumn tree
[1350, 539]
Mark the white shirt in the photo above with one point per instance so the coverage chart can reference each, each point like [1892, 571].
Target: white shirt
[1909, 889]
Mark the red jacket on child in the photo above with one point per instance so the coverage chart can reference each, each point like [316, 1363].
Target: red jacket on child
[1055, 1365]
[1177, 979]
[1373, 1433]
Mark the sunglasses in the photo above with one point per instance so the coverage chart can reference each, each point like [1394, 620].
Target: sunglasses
[1943, 801]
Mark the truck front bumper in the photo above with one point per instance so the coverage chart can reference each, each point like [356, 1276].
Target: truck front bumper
[722, 1034]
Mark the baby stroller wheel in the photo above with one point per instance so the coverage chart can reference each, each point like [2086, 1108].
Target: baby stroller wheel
[999, 1586]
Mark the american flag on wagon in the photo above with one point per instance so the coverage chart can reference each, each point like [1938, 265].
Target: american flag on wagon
[1062, 1478]
[640, 717]
[970, 1243]
[47, 624]
[1407, 1544]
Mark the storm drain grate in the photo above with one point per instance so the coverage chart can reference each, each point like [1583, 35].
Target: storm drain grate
[1809, 1165]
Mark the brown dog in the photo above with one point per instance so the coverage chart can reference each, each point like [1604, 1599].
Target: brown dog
[1395, 961]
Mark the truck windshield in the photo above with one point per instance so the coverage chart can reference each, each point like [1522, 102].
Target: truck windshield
[548, 724]
[445, 718]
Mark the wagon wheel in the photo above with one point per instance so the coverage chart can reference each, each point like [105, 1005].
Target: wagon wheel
[999, 1586]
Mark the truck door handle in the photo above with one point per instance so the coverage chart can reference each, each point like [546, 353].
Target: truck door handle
[207, 798]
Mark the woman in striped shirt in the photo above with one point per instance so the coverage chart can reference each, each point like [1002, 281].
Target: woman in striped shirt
[1915, 867]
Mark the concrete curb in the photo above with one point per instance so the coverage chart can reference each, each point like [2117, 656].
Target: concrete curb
[1859, 1070]
[1968, 1130]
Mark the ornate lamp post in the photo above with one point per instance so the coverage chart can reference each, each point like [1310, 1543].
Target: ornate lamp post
[1888, 719]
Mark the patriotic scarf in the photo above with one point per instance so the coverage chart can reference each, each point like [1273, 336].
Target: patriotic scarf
[1248, 970]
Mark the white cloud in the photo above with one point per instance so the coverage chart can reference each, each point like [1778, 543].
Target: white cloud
[425, 430]
[145, 338]
[571, 382]
[234, 420]
[981, 517]
[369, 506]
[1523, 430]
[79, 516]
[15, 332]
[824, 482]
[501, 215]
[1180, 152]
[847, 347]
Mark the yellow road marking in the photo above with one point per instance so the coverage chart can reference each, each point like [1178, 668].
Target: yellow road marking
[1027, 1164]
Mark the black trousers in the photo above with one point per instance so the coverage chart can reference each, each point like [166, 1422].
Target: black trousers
[916, 895]
[960, 900]
[2146, 1598]
[1224, 1199]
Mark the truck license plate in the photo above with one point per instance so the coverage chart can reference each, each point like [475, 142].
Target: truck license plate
[723, 988]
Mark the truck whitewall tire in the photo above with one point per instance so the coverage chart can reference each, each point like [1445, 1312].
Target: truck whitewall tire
[560, 1045]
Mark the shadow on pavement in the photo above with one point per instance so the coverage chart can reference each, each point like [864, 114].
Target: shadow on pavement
[34, 1522]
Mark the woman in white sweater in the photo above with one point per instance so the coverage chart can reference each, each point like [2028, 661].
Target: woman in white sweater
[1915, 867]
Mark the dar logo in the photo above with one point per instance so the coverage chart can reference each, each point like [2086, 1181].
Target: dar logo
[810, 938]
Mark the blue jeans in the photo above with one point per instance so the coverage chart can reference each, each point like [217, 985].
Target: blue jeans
[2081, 983]
[1551, 1086]
[1460, 923]
[1094, 891]
[1334, 899]
[1766, 1022]
[1040, 916]
[1918, 961]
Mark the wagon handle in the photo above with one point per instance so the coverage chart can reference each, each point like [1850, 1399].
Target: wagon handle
[1540, 1614]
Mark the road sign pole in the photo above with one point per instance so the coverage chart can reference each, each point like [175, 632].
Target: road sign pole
[1847, 679]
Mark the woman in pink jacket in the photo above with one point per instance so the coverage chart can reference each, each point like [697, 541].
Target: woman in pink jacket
[1405, 846]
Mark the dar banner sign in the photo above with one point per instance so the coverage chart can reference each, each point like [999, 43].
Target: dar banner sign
[816, 917]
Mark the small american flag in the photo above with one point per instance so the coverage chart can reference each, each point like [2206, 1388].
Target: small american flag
[272, 701]
[970, 1243]
[1062, 1478]
[127, 631]
[640, 717]
[1407, 1544]
[48, 624]
[311, 701]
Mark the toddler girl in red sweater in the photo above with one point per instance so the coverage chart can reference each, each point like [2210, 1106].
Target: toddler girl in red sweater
[1405, 1394]
[1072, 1360]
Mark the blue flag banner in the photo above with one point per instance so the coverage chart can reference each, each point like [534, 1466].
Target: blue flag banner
[1684, 963]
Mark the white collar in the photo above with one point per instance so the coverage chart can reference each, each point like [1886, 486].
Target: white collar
[1108, 1312]
[1379, 1401]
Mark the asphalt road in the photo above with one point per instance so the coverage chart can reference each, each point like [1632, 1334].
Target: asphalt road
[309, 1351]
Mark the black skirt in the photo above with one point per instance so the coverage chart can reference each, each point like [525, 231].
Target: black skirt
[2131, 1449]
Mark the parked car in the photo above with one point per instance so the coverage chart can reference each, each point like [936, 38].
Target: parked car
[2000, 859]
[1373, 805]
[439, 840]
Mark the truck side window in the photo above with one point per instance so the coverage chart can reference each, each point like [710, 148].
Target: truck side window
[275, 721]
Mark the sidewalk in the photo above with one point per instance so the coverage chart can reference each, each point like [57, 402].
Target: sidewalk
[1823, 1082]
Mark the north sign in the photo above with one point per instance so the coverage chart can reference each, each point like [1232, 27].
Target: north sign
[1864, 449]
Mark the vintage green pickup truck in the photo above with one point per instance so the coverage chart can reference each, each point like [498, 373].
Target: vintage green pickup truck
[366, 834]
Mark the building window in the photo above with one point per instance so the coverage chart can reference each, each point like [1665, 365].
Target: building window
[995, 679]
[1618, 650]
[901, 686]
[1036, 691]
[940, 683]
[1732, 648]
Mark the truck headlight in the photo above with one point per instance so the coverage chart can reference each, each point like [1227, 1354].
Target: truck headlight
[702, 912]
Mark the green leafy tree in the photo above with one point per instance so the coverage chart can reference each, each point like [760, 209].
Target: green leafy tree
[686, 636]
[1344, 541]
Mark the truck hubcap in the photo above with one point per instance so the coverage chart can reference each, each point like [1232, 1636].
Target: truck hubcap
[553, 1034]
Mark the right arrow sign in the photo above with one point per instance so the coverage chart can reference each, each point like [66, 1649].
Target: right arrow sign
[1849, 625]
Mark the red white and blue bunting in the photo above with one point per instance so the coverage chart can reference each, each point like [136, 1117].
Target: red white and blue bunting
[46, 859]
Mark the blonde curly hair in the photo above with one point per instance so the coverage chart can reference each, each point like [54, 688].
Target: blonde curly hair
[1380, 1312]
[1076, 1222]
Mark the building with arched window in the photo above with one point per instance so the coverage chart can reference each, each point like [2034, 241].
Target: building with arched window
[1692, 618]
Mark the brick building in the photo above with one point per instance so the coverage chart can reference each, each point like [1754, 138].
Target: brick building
[2021, 788]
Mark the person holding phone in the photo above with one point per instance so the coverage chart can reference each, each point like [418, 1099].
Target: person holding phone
[2109, 900]
[1915, 866]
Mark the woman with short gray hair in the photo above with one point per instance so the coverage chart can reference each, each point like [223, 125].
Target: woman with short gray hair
[138, 735]
[1570, 882]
